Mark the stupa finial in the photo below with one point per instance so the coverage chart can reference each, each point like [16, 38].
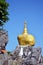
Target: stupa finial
[25, 27]
[25, 24]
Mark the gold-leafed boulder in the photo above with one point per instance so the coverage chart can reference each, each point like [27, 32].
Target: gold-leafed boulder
[25, 38]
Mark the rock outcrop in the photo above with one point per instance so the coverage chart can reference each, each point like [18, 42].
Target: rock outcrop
[3, 43]
[3, 39]
[31, 56]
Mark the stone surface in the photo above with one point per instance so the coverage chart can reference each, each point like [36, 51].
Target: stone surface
[31, 56]
[3, 39]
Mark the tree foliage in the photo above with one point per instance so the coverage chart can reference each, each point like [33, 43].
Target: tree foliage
[3, 12]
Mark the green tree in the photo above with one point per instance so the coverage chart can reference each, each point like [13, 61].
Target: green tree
[3, 12]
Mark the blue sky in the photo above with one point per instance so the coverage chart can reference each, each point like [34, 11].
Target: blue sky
[19, 11]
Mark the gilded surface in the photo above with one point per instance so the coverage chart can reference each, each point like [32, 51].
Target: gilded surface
[25, 38]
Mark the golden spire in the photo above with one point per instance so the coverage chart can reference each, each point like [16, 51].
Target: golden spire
[25, 28]
[25, 38]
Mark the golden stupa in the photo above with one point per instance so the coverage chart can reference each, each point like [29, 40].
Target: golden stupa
[25, 38]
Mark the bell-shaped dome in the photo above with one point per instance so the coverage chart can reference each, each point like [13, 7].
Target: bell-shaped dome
[25, 38]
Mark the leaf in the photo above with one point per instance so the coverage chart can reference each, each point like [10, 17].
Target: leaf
[3, 12]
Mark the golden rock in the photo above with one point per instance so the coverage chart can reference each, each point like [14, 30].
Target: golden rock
[25, 38]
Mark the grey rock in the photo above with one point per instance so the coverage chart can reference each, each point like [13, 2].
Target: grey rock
[33, 61]
[5, 62]
[36, 52]
[3, 39]
[1, 59]
[40, 64]
[10, 62]
[31, 56]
